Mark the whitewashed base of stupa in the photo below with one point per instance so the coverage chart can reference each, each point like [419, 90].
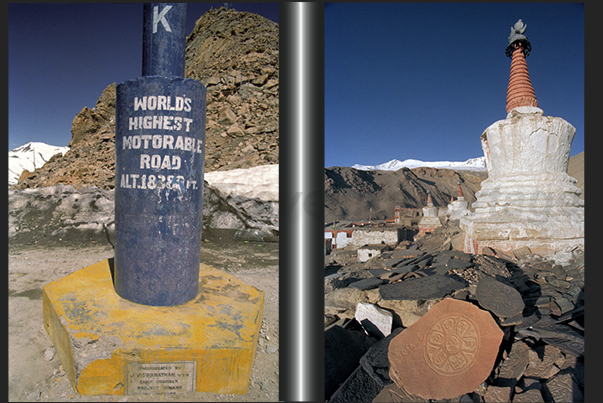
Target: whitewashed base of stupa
[458, 209]
[528, 198]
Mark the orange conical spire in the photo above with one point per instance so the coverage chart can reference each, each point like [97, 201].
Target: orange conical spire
[429, 200]
[520, 91]
[459, 191]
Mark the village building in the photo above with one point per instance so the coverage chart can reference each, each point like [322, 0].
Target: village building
[367, 252]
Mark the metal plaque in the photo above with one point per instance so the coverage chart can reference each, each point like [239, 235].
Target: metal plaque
[161, 377]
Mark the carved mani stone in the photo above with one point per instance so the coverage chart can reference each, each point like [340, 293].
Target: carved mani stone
[502, 300]
[448, 352]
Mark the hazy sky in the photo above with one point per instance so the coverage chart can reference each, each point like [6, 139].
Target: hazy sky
[424, 81]
[62, 57]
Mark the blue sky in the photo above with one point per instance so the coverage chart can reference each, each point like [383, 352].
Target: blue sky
[62, 56]
[424, 81]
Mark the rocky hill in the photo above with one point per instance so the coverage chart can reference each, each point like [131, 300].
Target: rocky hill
[235, 55]
[350, 193]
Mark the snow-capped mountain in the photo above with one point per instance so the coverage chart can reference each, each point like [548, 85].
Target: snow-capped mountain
[30, 156]
[472, 164]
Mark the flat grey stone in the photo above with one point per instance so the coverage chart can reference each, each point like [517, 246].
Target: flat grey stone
[511, 369]
[406, 253]
[378, 272]
[544, 362]
[376, 363]
[405, 268]
[458, 264]
[430, 287]
[569, 340]
[563, 388]
[392, 262]
[367, 283]
[358, 387]
[343, 349]
[502, 300]
[438, 269]
[529, 396]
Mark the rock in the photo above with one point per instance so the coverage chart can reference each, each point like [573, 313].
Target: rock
[529, 396]
[367, 283]
[563, 305]
[423, 288]
[344, 298]
[49, 353]
[498, 394]
[394, 394]
[235, 130]
[544, 362]
[512, 368]
[458, 264]
[522, 253]
[450, 351]
[407, 312]
[376, 362]
[570, 340]
[492, 266]
[226, 116]
[359, 387]
[377, 322]
[502, 300]
[343, 349]
[563, 388]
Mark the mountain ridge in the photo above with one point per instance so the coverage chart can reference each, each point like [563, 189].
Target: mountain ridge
[472, 164]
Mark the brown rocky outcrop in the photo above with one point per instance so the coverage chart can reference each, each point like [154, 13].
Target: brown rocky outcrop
[351, 193]
[235, 55]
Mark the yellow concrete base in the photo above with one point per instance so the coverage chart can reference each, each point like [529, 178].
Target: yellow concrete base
[111, 346]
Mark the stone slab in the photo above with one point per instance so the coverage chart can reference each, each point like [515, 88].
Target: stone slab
[502, 300]
[393, 394]
[544, 362]
[377, 322]
[343, 349]
[105, 341]
[367, 283]
[358, 387]
[511, 369]
[392, 262]
[450, 351]
[430, 287]
[458, 264]
[563, 388]
[500, 394]
[376, 362]
[529, 396]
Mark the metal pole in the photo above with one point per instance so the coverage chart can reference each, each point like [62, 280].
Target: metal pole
[164, 39]
[159, 164]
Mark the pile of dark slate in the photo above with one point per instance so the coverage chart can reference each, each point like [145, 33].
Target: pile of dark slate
[537, 303]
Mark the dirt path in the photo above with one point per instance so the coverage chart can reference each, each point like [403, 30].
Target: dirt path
[32, 377]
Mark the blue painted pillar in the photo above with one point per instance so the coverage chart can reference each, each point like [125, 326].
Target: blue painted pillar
[159, 163]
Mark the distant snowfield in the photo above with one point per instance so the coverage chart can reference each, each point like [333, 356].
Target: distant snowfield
[472, 164]
[30, 156]
[258, 182]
